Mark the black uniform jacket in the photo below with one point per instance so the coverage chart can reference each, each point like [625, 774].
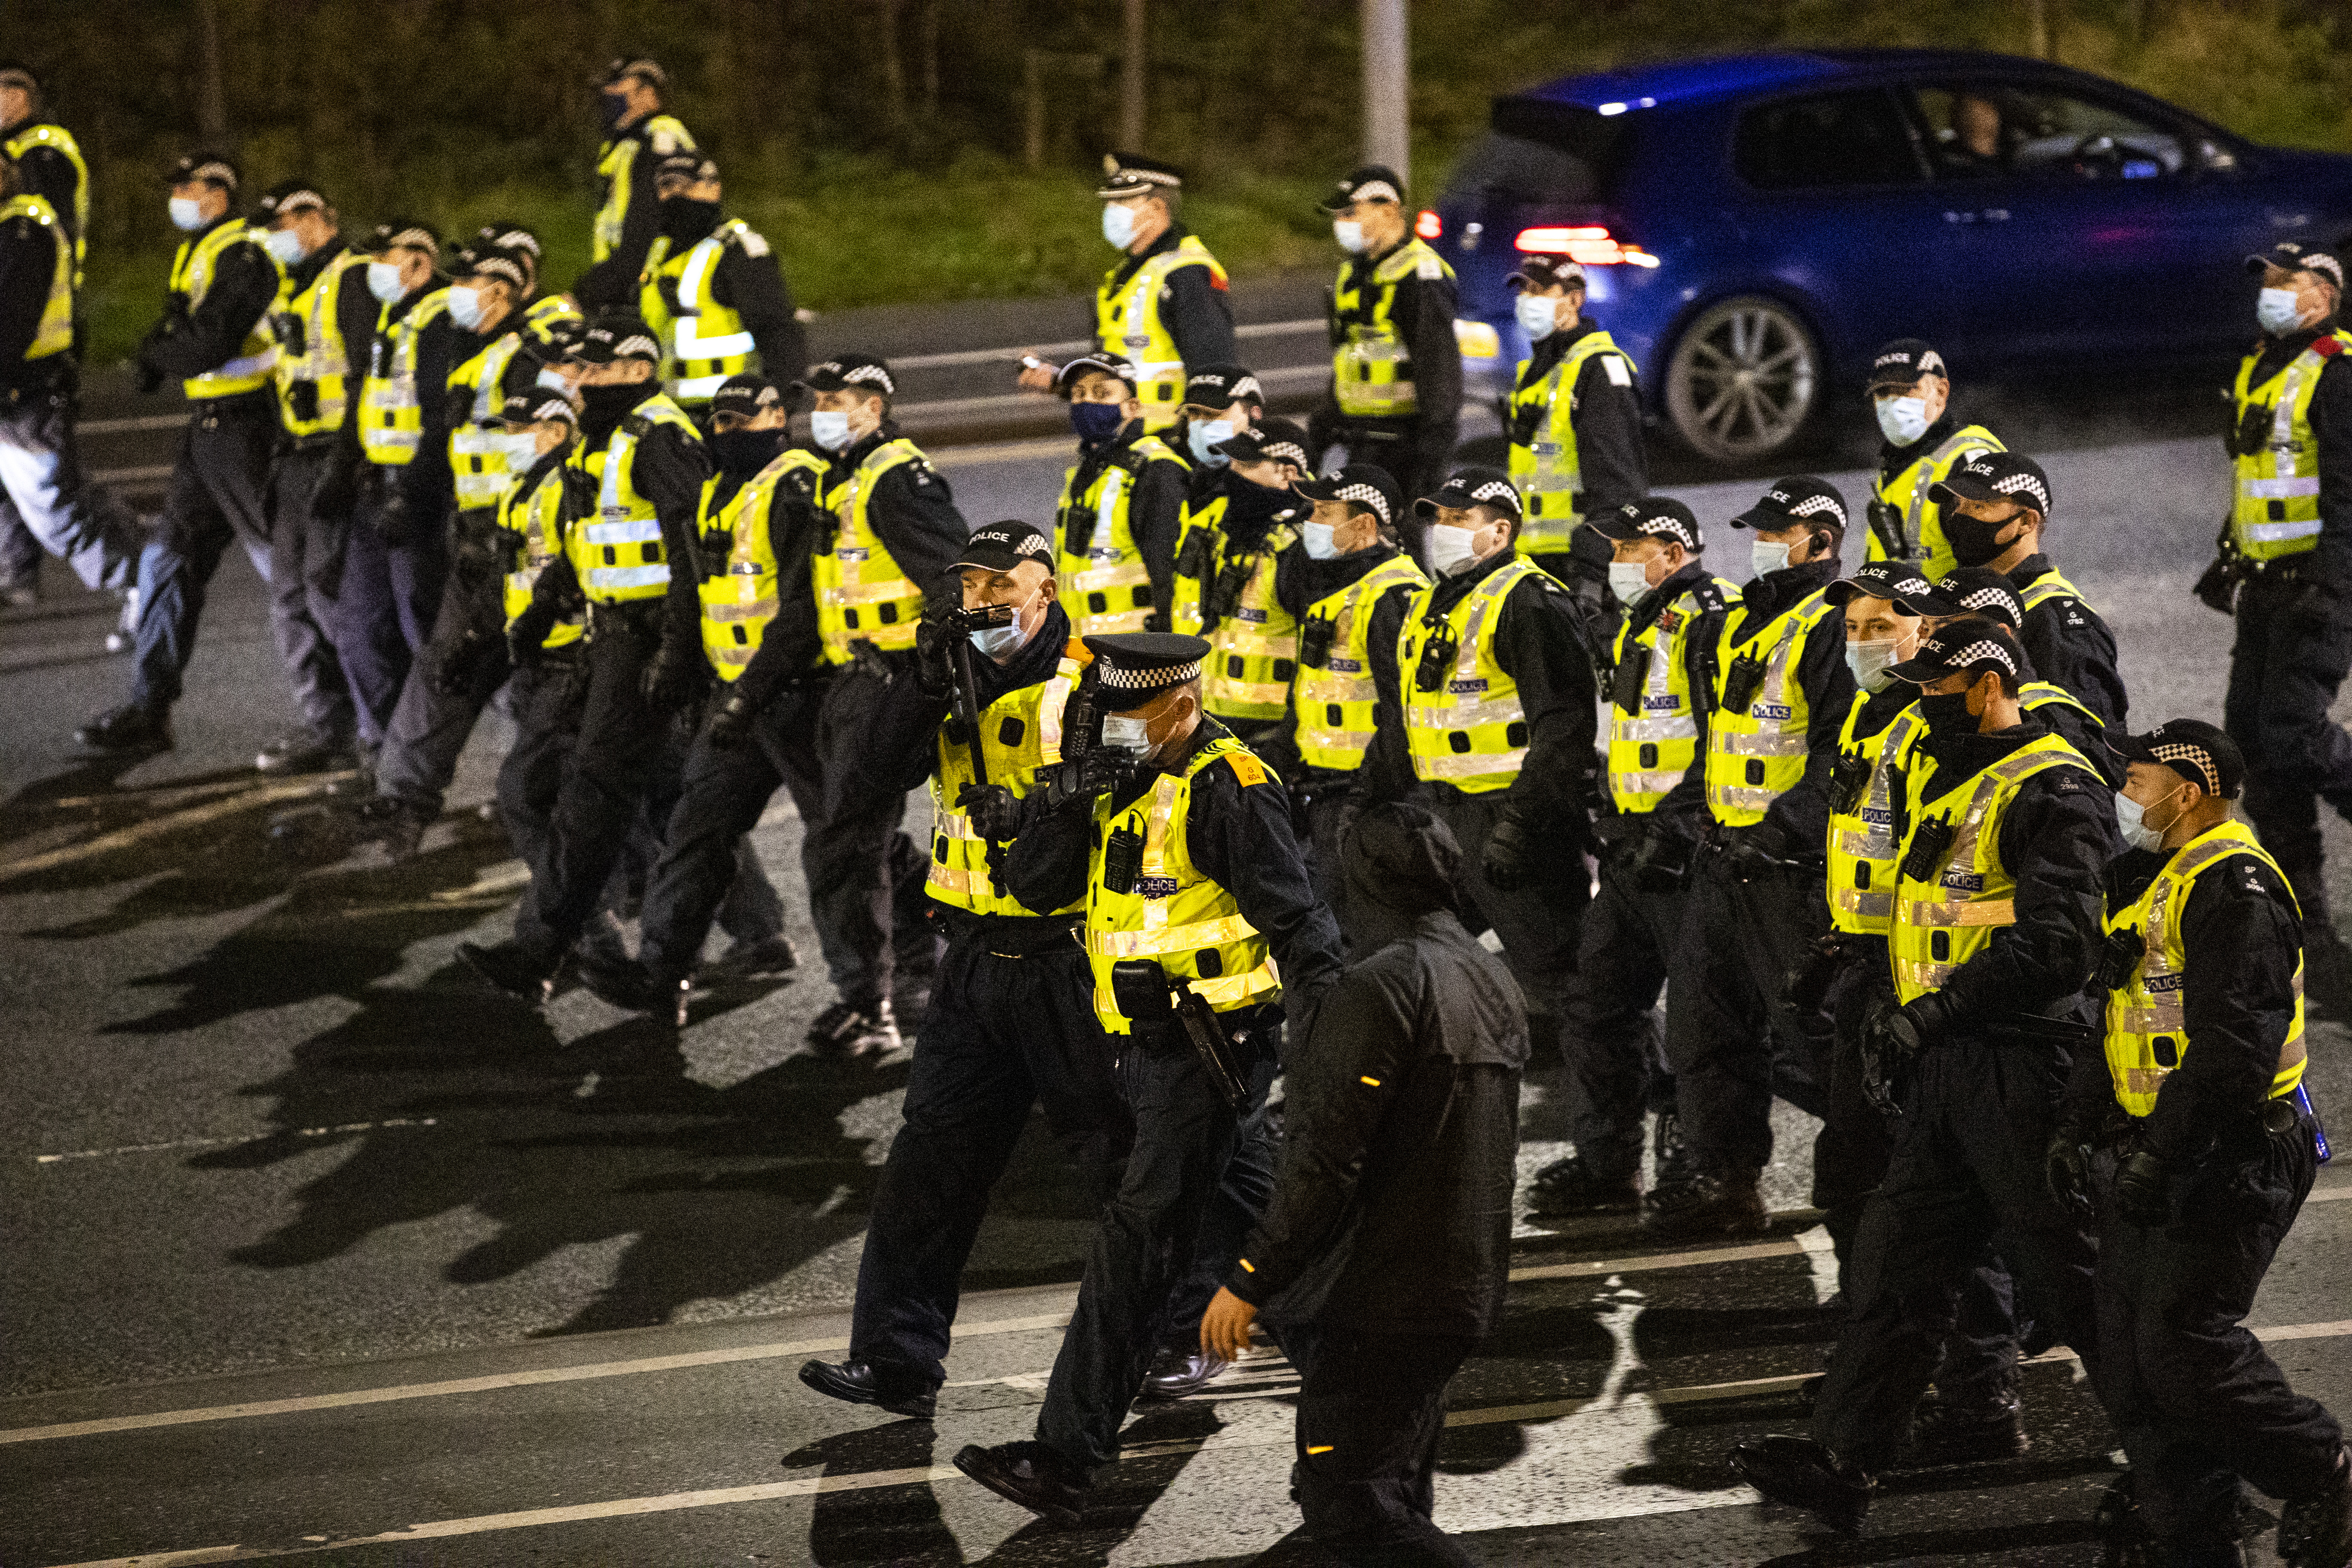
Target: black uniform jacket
[245, 283]
[749, 281]
[1196, 307]
[789, 646]
[614, 280]
[2072, 647]
[47, 172]
[668, 469]
[1796, 824]
[1611, 460]
[1423, 315]
[2331, 428]
[1300, 580]
[1154, 513]
[28, 263]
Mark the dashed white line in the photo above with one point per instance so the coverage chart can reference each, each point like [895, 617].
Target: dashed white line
[242, 1138]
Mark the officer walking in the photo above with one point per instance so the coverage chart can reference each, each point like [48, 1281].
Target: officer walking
[2200, 1095]
[2002, 831]
[1381, 1261]
[2285, 569]
[1755, 900]
[1230, 512]
[1200, 931]
[1663, 671]
[1121, 503]
[712, 290]
[1575, 428]
[1924, 441]
[1165, 307]
[1236, 600]
[215, 338]
[1395, 397]
[637, 137]
[47, 158]
[1011, 1025]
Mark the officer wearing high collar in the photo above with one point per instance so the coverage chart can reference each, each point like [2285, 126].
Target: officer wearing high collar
[1121, 506]
[1395, 396]
[1221, 401]
[1165, 307]
[1576, 428]
[1231, 510]
[712, 289]
[2200, 1094]
[1922, 442]
[1177, 841]
[1229, 589]
[2002, 830]
[1982, 591]
[1781, 689]
[1010, 1023]
[48, 160]
[1663, 666]
[215, 337]
[647, 463]
[638, 136]
[2285, 569]
[1498, 724]
[1996, 509]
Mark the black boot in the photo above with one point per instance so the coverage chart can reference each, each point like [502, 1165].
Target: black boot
[1969, 1432]
[129, 730]
[1570, 1186]
[1710, 1205]
[633, 988]
[856, 1383]
[511, 967]
[1031, 1475]
[2315, 1530]
[1797, 1472]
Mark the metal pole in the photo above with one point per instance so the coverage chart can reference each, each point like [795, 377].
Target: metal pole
[212, 114]
[1130, 80]
[1387, 136]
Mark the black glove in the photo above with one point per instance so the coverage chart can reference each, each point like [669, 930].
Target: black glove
[1659, 861]
[1753, 852]
[731, 718]
[2218, 587]
[935, 642]
[994, 810]
[2066, 1170]
[673, 676]
[1904, 1032]
[397, 522]
[1878, 1069]
[455, 665]
[2140, 1182]
[1806, 988]
[1509, 856]
[1099, 772]
[338, 490]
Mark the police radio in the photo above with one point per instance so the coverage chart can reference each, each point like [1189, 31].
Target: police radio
[1315, 635]
[1632, 674]
[1082, 718]
[1122, 861]
[1929, 842]
[1436, 656]
[1848, 781]
[1739, 683]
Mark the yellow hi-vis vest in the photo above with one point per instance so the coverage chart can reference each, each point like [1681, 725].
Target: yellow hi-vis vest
[477, 461]
[1862, 820]
[2277, 508]
[1652, 744]
[53, 335]
[1020, 733]
[312, 352]
[1372, 367]
[533, 510]
[862, 595]
[1337, 701]
[703, 341]
[1947, 917]
[1175, 916]
[1923, 520]
[2146, 1023]
[391, 406]
[1254, 651]
[1471, 732]
[662, 135]
[1546, 467]
[46, 134]
[619, 555]
[191, 278]
[739, 602]
[1200, 542]
[1756, 755]
[1106, 587]
[1128, 323]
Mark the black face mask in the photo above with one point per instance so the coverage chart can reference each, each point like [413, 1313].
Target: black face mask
[685, 219]
[1973, 538]
[742, 453]
[613, 109]
[603, 407]
[1946, 713]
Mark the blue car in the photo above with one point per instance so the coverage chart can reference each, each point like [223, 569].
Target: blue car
[1754, 227]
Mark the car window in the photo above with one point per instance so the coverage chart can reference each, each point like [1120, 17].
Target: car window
[1984, 130]
[1544, 152]
[1853, 137]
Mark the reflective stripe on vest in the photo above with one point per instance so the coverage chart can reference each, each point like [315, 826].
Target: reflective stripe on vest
[1337, 703]
[1862, 841]
[48, 133]
[1372, 368]
[703, 341]
[1020, 733]
[192, 270]
[2276, 511]
[739, 602]
[1653, 747]
[54, 334]
[477, 462]
[658, 137]
[1127, 322]
[1923, 519]
[1756, 757]
[1254, 652]
[1473, 734]
[1106, 588]
[1546, 469]
[619, 555]
[312, 351]
[392, 415]
[863, 595]
[534, 513]
[1199, 539]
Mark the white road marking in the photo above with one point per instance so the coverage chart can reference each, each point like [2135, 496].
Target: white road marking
[171, 822]
[1821, 1253]
[244, 1138]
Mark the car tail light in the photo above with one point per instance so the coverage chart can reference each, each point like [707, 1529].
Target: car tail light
[1588, 246]
[1429, 225]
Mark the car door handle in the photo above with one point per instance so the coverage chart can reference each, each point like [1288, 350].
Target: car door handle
[1990, 215]
[1959, 217]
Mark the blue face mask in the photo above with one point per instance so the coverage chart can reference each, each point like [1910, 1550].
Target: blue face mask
[187, 213]
[466, 307]
[1203, 438]
[2138, 832]
[1764, 557]
[1320, 544]
[830, 429]
[1000, 642]
[1096, 421]
[1902, 420]
[286, 246]
[1118, 225]
[1539, 314]
[613, 109]
[2276, 309]
[383, 281]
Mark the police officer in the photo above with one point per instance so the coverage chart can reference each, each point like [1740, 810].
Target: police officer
[1011, 1025]
[1755, 899]
[712, 290]
[638, 136]
[1235, 601]
[1200, 930]
[1381, 1261]
[1395, 397]
[1663, 669]
[542, 314]
[1982, 591]
[1924, 441]
[1165, 306]
[1499, 723]
[214, 336]
[1575, 427]
[1238, 503]
[2285, 568]
[1121, 503]
[2200, 1094]
[47, 158]
[1221, 401]
[2002, 830]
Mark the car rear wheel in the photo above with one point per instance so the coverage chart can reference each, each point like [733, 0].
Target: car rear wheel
[1743, 379]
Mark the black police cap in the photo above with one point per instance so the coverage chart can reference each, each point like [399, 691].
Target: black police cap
[1372, 182]
[1800, 498]
[2199, 751]
[1133, 667]
[1474, 484]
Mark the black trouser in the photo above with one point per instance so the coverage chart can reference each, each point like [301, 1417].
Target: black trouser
[429, 727]
[546, 697]
[390, 597]
[1328, 813]
[2284, 669]
[1538, 924]
[1966, 1172]
[1245, 1191]
[1371, 1408]
[1616, 1060]
[216, 496]
[306, 570]
[2196, 1400]
[1185, 1135]
[1011, 1024]
[1733, 1041]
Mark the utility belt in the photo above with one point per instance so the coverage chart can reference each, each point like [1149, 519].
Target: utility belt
[639, 618]
[35, 381]
[1011, 936]
[882, 664]
[1167, 1019]
[2287, 1116]
[211, 413]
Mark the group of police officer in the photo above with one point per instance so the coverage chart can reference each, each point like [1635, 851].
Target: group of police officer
[1230, 763]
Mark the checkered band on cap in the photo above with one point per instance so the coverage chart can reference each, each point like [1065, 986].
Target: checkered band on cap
[1984, 647]
[412, 239]
[504, 266]
[1910, 586]
[555, 409]
[1376, 191]
[1247, 386]
[518, 240]
[1364, 495]
[1657, 525]
[1119, 679]
[2173, 753]
[1812, 504]
[636, 345]
[1983, 597]
[300, 199]
[1289, 452]
[216, 172]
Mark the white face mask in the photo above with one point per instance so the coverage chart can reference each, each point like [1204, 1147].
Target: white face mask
[998, 642]
[1452, 550]
[1903, 420]
[1125, 732]
[1203, 436]
[1539, 314]
[466, 307]
[829, 427]
[1765, 556]
[383, 281]
[553, 381]
[1870, 661]
[1118, 225]
[2276, 309]
[187, 213]
[2139, 833]
[1349, 234]
[286, 246]
[521, 450]
[1628, 580]
[1320, 541]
